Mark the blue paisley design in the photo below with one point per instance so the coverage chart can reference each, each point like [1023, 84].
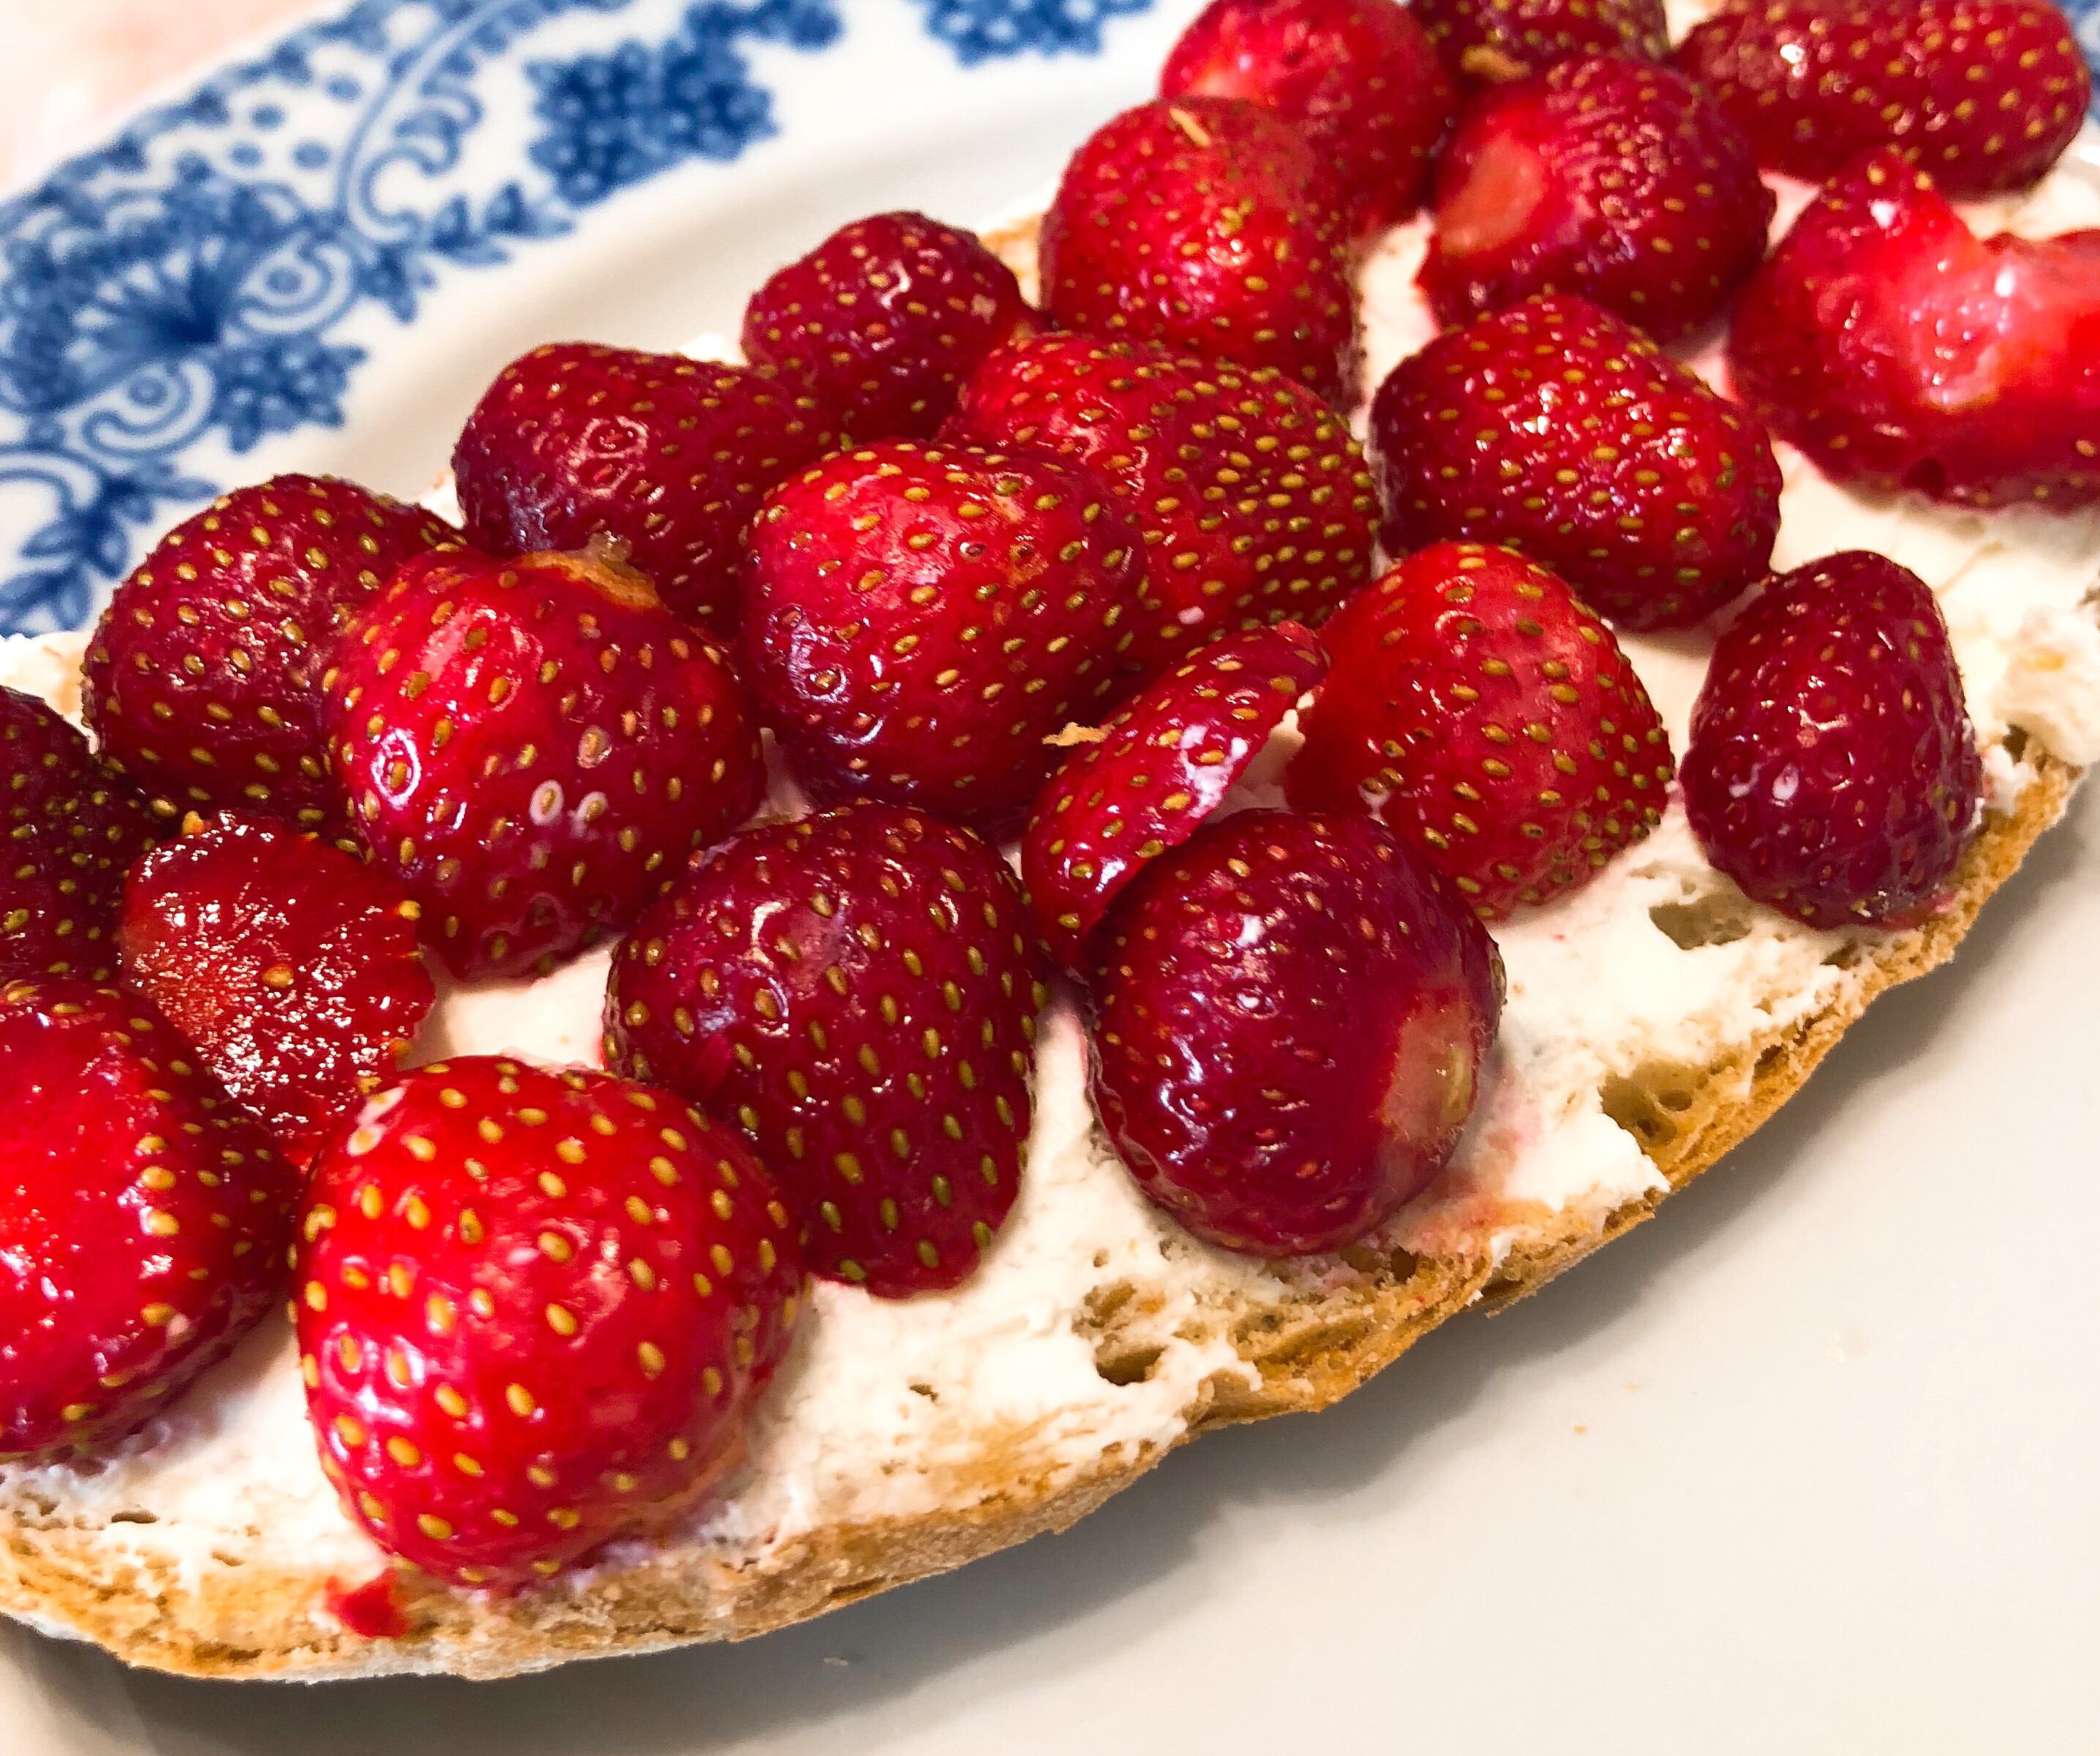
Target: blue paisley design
[979, 29]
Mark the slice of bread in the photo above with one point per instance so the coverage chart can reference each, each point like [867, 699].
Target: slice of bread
[1102, 1339]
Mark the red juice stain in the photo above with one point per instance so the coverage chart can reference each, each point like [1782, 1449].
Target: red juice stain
[372, 1610]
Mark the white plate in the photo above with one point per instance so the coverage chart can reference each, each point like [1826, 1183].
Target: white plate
[1807, 1465]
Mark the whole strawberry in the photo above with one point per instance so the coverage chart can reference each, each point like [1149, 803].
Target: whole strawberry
[204, 677]
[1161, 767]
[535, 1311]
[921, 619]
[142, 1217]
[68, 829]
[883, 321]
[1492, 40]
[1608, 177]
[1479, 708]
[1985, 95]
[1557, 430]
[1359, 79]
[859, 990]
[1901, 350]
[1253, 500]
[1207, 227]
[534, 747]
[291, 967]
[1832, 772]
[1292, 1016]
[668, 456]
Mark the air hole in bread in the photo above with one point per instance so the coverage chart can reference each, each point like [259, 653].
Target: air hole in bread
[1133, 1367]
[1719, 919]
[1651, 1102]
[133, 1518]
[927, 1390]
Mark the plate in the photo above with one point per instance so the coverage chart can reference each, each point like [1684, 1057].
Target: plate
[1804, 1465]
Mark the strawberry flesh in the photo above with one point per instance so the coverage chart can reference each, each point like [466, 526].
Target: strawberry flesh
[1603, 177]
[1901, 350]
[1488, 715]
[1556, 429]
[1252, 498]
[1160, 768]
[1292, 1017]
[535, 1309]
[533, 748]
[859, 990]
[143, 1218]
[1359, 79]
[1494, 39]
[291, 967]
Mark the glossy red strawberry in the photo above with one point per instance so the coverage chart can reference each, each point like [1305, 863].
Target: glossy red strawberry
[1557, 430]
[885, 320]
[1360, 80]
[1832, 772]
[534, 747]
[1207, 227]
[1984, 94]
[1488, 717]
[670, 457]
[1901, 350]
[535, 1311]
[143, 1218]
[922, 618]
[1158, 770]
[1604, 177]
[68, 829]
[1292, 1016]
[204, 677]
[1253, 500]
[290, 966]
[1492, 40]
[859, 990]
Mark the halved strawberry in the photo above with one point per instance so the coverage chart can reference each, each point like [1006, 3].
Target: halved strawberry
[668, 456]
[1985, 95]
[1159, 769]
[1492, 40]
[885, 320]
[859, 990]
[1207, 227]
[291, 967]
[535, 1311]
[534, 747]
[1479, 708]
[1292, 1016]
[204, 677]
[1901, 350]
[1557, 430]
[143, 1218]
[1360, 80]
[1604, 177]
[1253, 500]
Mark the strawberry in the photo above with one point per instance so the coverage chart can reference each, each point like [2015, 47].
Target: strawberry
[291, 967]
[1899, 350]
[533, 748]
[1494, 40]
[1556, 429]
[68, 828]
[1359, 79]
[1985, 95]
[1161, 767]
[142, 1217]
[669, 456]
[1604, 177]
[203, 680]
[1487, 715]
[1832, 772]
[1291, 1018]
[921, 619]
[1205, 225]
[1252, 498]
[534, 1310]
[859, 989]
[885, 319]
